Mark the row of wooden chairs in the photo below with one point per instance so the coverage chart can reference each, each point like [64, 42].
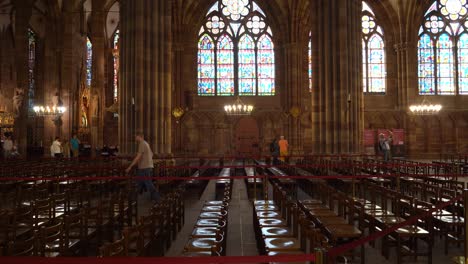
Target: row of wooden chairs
[209, 235]
[154, 233]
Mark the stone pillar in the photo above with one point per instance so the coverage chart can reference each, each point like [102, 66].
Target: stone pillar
[293, 86]
[337, 103]
[97, 92]
[145, 77]
[23, 14]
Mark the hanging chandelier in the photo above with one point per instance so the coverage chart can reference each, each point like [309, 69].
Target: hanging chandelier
[238, 108]
[425, 108]
[54, 111]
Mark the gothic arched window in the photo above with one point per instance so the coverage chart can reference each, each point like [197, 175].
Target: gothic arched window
[443, 49]
[373, 53]
[32, 41]
[89, 62]
[115, 75]
[235, 51]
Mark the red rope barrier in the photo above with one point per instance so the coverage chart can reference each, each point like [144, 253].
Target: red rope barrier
[178, 178]
[159, 260]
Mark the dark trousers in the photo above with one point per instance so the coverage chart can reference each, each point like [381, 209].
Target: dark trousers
[147, 183]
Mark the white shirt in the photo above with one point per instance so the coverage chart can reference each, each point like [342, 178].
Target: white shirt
[55, 148]
[8, 145]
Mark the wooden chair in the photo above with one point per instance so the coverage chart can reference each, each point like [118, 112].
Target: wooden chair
[51, 241]
[23, 248]
[115, 249]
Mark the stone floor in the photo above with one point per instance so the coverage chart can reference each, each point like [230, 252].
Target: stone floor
[241, 240]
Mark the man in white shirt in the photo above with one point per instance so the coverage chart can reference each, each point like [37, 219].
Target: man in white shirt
[56, 148]
[7, 147]
[384, 145]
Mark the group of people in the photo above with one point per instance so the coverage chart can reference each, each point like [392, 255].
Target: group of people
[67, 149]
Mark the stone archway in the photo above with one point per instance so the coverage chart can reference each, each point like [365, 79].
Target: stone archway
[247, 137]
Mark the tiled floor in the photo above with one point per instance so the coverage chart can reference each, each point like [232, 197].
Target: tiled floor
[241, 240]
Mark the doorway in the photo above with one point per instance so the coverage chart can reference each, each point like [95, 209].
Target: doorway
[247, 138]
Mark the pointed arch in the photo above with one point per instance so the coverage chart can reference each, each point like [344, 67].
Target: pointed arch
[442, 48]
[242, 50]
[373, 50]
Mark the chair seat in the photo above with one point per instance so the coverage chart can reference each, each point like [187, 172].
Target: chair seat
[201, 244]
[412, 231]
[213, 208]
[197, 254]
[264, 202]
[266, 207]
[214, 203]
[265, 222]
[205, 232]
[292, 252]
[276, 232]
[282, 244]
[212, 214]
[208, 222]
[268, 214]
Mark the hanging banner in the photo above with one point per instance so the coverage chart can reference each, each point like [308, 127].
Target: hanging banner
[399, 146]
[369, 141]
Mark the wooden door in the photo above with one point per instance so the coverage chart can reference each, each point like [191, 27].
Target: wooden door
[247, 137]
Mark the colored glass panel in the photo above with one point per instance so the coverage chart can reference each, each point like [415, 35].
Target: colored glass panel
[463, 64]
[225, 64]
[445, 63]
[376, 64]
[89, 62]
[373, 53]
[310, 63]
[426, 69]
[116, 65]
[247, 61]
[266, 66]
[206, 66]
[31, 67]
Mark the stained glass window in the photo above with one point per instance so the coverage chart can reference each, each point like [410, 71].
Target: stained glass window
[89, 62]
[463, 64]
[116, 58]
[310, 61]
[373, 52]
[442, 49]
[236, 51]
[32, 41]
[206, 66]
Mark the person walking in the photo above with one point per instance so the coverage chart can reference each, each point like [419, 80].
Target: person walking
[144, 160]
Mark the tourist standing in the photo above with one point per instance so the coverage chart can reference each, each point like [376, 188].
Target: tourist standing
[275, 151]
[283, 146]
[56, 148]
[144, 160]
[7, 146]
[384, 145]
[75, 146]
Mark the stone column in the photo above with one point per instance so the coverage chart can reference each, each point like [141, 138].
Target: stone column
[97, 92]
[145, 77]
[337, 103]
[23, 14]
[293, 86]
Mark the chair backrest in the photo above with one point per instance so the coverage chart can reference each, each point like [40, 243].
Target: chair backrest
[24, 247]
[115, 249]
[133, 240]
[51, 235]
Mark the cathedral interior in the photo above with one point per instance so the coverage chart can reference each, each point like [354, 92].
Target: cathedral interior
[322, 76]
[224, 78]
